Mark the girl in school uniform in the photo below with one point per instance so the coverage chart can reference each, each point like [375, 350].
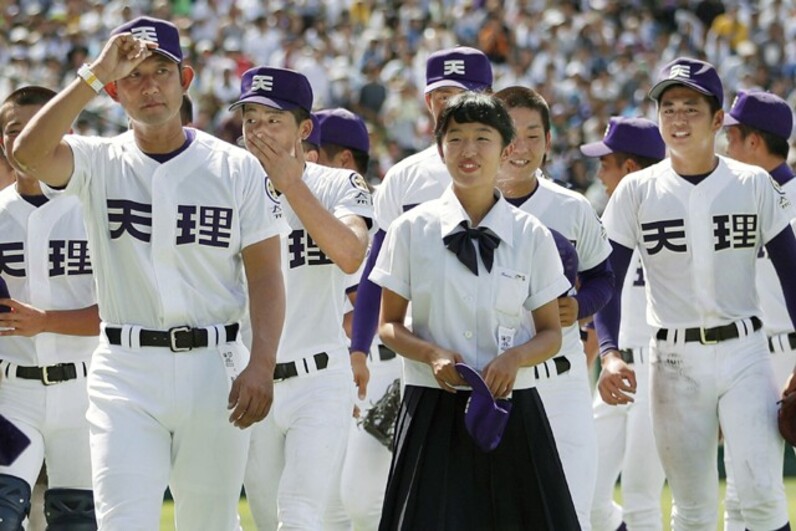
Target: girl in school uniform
[483, 278]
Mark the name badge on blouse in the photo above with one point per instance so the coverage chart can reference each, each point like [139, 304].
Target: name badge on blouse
[505, 338]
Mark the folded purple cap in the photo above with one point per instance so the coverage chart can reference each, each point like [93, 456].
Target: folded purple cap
[161, 32]
[12, 442]
[315, 134]
[342, 127]
[762, 110]
[637, 136]
[461, 67]
[484, 417]
[279, 88]
[692, 73]
[568, 254]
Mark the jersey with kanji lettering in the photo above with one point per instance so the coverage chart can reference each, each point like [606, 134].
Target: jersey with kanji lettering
[44, 260]
[699, 242]
[772, 302]
[166, 238]
[314, 285]
[416, 179]
[572, 215]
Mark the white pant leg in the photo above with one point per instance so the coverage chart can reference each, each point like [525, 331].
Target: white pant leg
[642, 472]
[748, 412]
[610, 426]
[266, 460]
[22, 402]
[208, 451]
[567, 401]
[367, 461]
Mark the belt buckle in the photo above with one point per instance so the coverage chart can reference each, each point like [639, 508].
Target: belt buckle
[173, 339]
[45, 376]
[704, 340]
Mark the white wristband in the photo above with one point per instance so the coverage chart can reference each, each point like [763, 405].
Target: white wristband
[88, 76]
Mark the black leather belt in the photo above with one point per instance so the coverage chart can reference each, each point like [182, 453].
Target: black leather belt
[286, 370]
[791, 342]
[711, 336]
[561, 363]
[178, 339]
[53, 374]
[386, 353]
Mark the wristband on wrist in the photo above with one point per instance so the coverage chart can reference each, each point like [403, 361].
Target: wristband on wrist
[88, 76]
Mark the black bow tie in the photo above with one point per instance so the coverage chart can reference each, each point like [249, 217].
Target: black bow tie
[461, 243]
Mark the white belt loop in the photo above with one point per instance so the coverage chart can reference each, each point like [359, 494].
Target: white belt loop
[131, 337]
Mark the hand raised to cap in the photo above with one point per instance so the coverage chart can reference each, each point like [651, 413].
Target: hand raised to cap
[120, 56]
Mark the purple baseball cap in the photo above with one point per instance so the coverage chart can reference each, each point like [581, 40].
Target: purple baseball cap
[692, 73]
[279, 88]
[12, 442]
[161, 32]
[484, 417]
[315, 134]
[637, 136]
[342, 127]
[762, 110]
[462, 67]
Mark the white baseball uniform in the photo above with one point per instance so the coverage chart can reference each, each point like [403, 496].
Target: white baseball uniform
[567, 396]
[166, 241]
[779, 330]
[45, 262]
[625, 442]
[297, 451]
[699, 245]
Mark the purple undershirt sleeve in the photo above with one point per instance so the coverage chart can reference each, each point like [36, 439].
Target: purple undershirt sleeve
[606, 321]
[596, 288]
[366, 307]
[782, 251]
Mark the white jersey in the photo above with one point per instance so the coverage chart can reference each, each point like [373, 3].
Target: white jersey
[314, 285]
[698, 243]
[772, 303]
[416, 179]
[150, 224]
[476, 316]
[572, 215]
[634, 332]
[44, 259]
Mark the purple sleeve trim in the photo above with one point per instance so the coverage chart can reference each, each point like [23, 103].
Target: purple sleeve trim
[596, 288]
[782, 251]
[366, 307]
[606, 321]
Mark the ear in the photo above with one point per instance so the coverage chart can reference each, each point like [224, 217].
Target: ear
[718, 120]
[188, 74]
[305, 128]
[629, 166]
[548, 142]
[110, 88]
[441, 154]
[427, 97]
[507, 151]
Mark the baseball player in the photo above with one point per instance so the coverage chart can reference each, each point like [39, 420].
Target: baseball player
[698, 220]
[758, 127]
[418, 178]
[297, 453]
[625, 442]
[46, 339]
[175, 218]
[563, 380]
[345, 144]
[494, 309]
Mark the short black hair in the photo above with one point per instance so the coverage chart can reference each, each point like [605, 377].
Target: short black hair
[361, 158]
[524, 97]
[29, 95]
[475, 107]
[776, 145]
[643, 162]
[186, 110]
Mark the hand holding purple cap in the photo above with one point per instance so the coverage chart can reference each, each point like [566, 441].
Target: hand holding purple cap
[484, 417]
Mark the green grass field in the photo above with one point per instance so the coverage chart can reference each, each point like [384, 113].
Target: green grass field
[167, 518]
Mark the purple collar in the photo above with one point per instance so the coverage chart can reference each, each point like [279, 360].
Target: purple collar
[782, 173]
[162, 158]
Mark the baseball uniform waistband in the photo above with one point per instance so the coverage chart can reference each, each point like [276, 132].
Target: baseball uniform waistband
[385, 354]
[49, 375]
[559, 365]
[710, 336]
[636, 355]
[310, 364]
[178, 339]
[782, 342]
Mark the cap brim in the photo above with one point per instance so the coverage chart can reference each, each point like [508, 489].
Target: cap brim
[168, 55]
[268, 102]
[473, 378]
[453, 83]
[596, 149]
[657, 90]
[729, 120]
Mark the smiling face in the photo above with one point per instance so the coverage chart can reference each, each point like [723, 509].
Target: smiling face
[687, 124]
[530, 144]
[473, 152]
[152, 93]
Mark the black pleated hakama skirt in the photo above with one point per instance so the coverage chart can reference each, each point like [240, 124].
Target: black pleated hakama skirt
[440, 480]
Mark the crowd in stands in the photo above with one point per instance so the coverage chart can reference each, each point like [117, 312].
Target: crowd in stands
[589, 59]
